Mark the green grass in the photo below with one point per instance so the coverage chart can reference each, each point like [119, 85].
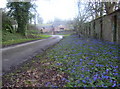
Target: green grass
[15, 38]
[42, 36]
[11, 36]
[16, 41]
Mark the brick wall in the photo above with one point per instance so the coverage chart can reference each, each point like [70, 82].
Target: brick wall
[105, 28]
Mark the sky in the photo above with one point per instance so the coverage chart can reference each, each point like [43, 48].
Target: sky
[62, 9]
[50, 9]
[3, 3]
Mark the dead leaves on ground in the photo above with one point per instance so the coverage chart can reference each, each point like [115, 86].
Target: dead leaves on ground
[38, 75]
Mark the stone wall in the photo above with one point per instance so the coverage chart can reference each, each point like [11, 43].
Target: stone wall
[105, 28]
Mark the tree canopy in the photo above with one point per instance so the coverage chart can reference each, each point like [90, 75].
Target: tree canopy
[20, 11]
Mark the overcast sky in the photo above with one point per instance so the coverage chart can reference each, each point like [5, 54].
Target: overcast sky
[50, 9]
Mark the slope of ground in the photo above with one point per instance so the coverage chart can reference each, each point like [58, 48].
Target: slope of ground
[16, 38]
[74, 62]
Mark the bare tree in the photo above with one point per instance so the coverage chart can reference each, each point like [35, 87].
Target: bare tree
[83, 16]
[91, 10]
[110, 7]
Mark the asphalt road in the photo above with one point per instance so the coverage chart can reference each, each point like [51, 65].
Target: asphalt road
[14, 55]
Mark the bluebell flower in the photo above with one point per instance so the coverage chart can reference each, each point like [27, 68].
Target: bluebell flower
[106, 77]
[107, 70]
[76, 65]
[107, 65]
[48, 83]
[67, 80]
[91, 60]
[114, 70]
[58, 64]
[75, 86]
[82, 75]
[87, 78]
[74, 68]
[73, 71]
[88, 70]
[101, 65]
[114, 85]
[82, 69]
[78, 81]
[116, 74]
[63, 79]
[111, 81]
[81, 59]
[87, 58]
[116, 67]
[83, 81]
[97, 54]
[95, 78]
[98, 65]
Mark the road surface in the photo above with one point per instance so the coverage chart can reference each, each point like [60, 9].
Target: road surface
[13, 56]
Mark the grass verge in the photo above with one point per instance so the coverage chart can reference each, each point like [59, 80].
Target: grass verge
[10, 38]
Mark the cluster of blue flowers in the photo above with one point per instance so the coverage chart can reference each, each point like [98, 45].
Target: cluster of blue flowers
[89, 62]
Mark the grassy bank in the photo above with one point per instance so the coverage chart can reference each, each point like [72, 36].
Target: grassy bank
[15, 38]
[74, 62]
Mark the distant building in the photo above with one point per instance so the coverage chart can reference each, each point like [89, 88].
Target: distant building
[14, 25]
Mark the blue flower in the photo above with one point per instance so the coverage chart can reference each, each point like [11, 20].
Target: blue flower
[87, 78]
[63, 79]
[74, 68]
[97, 54]
[98, 65]
[48, 83]
[75, 86]
[86, 57]
[83, 81]
[81, 59]
[95, 78]
[107, 70]
[116, 67]
[82, 75]
[78, 81]
[91, 60]
[73, 71]
[114, 70]
[115, 74]
[82, 69]
[88, 70]
[67, 80]
[113, 85]
[111, 81]
[58, 64]
[106, 77]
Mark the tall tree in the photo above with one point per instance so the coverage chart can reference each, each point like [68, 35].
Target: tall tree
[83, 16]
[20, 11]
